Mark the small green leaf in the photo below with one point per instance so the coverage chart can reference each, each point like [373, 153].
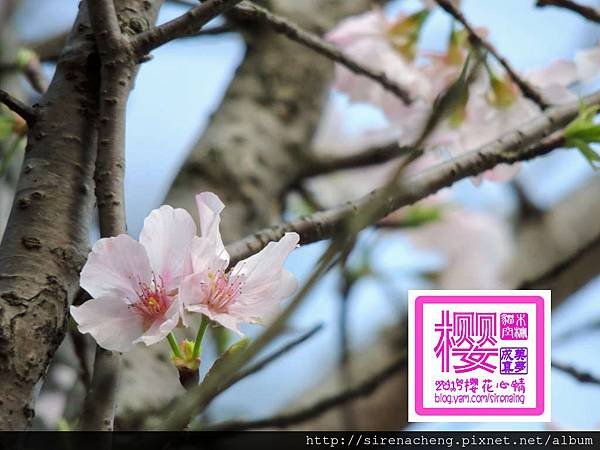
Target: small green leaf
[6, 126]
[592, 157]
[232, 352]
[582, 132]
[416, 216]
[24, 57]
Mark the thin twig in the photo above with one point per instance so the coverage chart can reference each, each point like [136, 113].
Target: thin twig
[588, 12]
[298, 34]
[17, 106]
[262, 363]
[320, 165]
[519, 145]
[187, 24]
[581, 376]
[320, 407]
[527, 90]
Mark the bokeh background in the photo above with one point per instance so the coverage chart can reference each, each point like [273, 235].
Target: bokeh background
[173, 98]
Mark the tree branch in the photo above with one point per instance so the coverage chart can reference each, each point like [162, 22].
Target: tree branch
[188, 24]
[253, 145]
[296, 33]
[116, 74]
[581, 376]
[103, 17]
[17, 106]
[527, 90]
[320, 407]
[324, 164]
[515, 146]
[262, 363]
[588, 12]
[559, 249]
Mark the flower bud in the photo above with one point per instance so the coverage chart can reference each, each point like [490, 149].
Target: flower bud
[187, 365]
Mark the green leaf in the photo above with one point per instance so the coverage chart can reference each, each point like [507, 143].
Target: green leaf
[582, 132]
[592, 157]
[583, 126]
[232, 352]
[420, 215]
[6, 126]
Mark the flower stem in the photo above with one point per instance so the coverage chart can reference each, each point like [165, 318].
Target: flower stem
[199, 336]
[174, 345]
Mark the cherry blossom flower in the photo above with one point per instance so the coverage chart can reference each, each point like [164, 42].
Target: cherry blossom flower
[251, 291]
[385, 46]
[134, 285]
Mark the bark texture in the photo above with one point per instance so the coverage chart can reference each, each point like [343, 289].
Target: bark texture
[251, 152]
[46, 239]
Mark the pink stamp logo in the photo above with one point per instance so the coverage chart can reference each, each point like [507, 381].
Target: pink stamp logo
[479, 356]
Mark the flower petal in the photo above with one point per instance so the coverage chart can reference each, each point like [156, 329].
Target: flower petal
[258, 267]
[588, 63]
[111, 322]
[210, 207]
[264, 281]
[116, 265]
[167, 236]
[205, 257]
[161, 327]
[227, 320]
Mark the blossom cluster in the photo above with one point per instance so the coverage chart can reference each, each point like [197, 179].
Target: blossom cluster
[141, 290]
[491, 106]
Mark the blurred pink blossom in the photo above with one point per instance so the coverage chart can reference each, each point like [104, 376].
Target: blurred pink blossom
[477, 248]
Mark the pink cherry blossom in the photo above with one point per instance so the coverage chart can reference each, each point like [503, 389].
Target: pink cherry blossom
[134, 285]
[366, 38]
[251, 291]
[587, 63]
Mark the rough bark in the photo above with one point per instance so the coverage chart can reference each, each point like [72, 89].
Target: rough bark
[8, 82]
[249, 155]
[46, 239]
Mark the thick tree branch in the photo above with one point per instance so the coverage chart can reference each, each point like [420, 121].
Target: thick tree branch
[103, 17]
[560, 249]
[17, 106]
[188, 24]
[570, 274]
[117, 70]
[583, 10]
[527, 90]
[362, 389]
[47, 235]
[513, 147]
[296, 33]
